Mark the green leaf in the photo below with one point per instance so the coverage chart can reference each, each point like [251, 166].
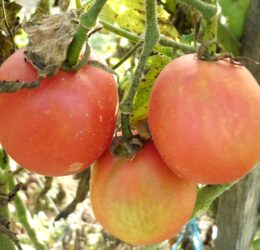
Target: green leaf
[153, 67]
[130, 15]
[236, 13]
[256, 244]
[228, 40]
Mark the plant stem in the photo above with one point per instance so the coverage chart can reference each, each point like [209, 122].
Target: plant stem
[25, 217]
[151, 38]
[164, 41]
[207, 195]
[210, 35]
[5, 242]
[207, 10]
[87, 21]
[125, 126]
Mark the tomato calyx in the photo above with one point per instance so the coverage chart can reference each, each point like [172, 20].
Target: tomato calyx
[49, 40]
[14, 86]
[203, 55]
[126, 148]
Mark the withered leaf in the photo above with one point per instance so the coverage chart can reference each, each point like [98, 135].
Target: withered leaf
[49, 39]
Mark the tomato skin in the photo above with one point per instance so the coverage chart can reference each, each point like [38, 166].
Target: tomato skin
[62, 126]
[140, 201]
[204, 118]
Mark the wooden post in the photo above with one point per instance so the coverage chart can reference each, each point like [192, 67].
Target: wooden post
[238, 207]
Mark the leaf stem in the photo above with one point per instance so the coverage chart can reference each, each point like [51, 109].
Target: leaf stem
[87, 21]
[151, 38]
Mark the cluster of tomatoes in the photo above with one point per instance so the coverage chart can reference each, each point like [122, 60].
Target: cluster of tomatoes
[204, 119]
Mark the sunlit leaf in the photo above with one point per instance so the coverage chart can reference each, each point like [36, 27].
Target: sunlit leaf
[154, 65]
[130, 15]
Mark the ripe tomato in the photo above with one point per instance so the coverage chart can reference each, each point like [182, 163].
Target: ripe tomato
[140, 200]
[62, 126]
[205, 119]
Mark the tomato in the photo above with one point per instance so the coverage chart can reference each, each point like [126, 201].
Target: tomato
[62, 126]
[140, 200]
[204, 118]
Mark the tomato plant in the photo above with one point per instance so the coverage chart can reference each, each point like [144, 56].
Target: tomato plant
[140, 200]
[205, 119]
[63, 125]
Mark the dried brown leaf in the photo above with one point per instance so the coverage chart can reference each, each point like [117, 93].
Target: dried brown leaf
[49, 39]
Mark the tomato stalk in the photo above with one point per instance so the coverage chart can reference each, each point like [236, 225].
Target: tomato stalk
[151, 38]
[210, 35]
[87, 21]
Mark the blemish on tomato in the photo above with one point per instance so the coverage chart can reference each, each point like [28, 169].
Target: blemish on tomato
[74, 167]
[79, 133]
